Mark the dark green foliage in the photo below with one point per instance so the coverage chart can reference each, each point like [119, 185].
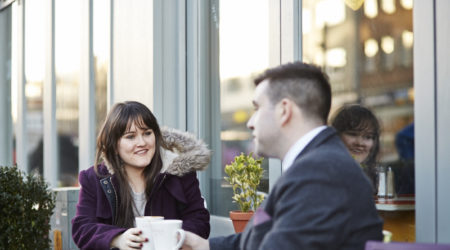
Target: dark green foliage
[26, 206]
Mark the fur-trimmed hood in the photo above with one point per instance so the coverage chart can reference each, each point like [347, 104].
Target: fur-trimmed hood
[181, 154]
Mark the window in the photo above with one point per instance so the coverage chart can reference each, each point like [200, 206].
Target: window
[244, 53]
[368, 57]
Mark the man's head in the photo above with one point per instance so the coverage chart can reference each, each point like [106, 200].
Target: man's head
[289, 100]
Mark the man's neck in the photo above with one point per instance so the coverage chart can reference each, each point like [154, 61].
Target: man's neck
[299, 146]
[293, 134]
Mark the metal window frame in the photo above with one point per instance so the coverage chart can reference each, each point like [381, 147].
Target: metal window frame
[86, 103]
[443, 119]
[6, 128]
[20, 127]
[51, 156]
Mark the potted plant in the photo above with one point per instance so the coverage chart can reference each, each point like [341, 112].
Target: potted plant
[26, 206]
[244, 175]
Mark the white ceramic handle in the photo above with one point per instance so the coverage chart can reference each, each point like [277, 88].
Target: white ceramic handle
[181, 241]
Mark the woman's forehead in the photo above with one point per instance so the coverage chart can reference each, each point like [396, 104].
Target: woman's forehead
[136, 122]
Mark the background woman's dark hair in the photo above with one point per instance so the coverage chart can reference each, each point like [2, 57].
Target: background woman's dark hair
[359, 118]
[117, 122]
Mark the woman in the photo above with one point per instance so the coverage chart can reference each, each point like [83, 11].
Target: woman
[145, 171]
[360, 131]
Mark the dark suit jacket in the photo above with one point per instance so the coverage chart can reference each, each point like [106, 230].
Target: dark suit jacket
[323, 201]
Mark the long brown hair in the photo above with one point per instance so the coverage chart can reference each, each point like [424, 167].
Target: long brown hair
[117, 122]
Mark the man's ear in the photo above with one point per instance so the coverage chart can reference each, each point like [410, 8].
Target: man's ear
[284, 111]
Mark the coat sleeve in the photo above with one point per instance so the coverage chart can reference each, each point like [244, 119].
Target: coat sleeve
[230, 242]
[194, 214]
[87, 231]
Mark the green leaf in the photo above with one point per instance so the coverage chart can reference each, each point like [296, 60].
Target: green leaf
[245, 174]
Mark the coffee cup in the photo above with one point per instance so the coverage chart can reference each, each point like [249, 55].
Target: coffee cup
[143, 223]
[164, 234]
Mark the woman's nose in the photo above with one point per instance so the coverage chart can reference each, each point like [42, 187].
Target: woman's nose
[359, 140]
[140, 140]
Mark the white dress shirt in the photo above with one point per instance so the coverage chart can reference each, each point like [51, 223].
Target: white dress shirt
[298, 147]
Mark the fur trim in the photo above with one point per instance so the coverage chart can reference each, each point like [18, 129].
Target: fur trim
[184, 153]
[107, 164]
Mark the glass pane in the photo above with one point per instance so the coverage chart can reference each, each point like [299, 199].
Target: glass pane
[67, 61]
[7, 149]
[100, 40]
[244, 52]
[34, 74]
[368, 56]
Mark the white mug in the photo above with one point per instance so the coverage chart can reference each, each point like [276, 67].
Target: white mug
[143, 223]
[164, 234]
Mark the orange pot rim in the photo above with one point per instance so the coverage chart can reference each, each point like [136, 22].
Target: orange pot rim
[239, 215]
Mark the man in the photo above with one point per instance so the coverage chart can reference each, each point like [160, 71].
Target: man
[323, 199]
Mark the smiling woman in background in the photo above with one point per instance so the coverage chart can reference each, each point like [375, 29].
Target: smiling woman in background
[359, 129]
[145, 171]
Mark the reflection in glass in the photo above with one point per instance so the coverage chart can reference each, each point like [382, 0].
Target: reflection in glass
[377, 73]
[34, 74]
[7, 156]
[371, 8]
[244, 52]
[100, 40]
[67, 63]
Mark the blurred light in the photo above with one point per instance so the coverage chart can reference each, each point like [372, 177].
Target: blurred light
[407, 4]
[387, 44]
[330, 12]
[240, 116]
[336, 57]
[307, 20]
[370, 47]
[411, 94]
[318, 58]
[354, 4]
[388, 6]
[68, 114]
[234, 135]
[407, 39]
[371, 8]
[33, 90]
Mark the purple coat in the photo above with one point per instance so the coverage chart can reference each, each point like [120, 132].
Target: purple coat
[176, 196]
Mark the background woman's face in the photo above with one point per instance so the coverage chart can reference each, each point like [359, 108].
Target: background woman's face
[137, 147]
[359, 143]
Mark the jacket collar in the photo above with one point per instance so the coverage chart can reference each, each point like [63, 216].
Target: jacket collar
[322, 137]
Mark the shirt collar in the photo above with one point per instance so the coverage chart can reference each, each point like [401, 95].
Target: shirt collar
[298, 147]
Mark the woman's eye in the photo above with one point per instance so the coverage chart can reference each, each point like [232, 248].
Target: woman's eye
[129, 136]
[148, 132]
[368, 137]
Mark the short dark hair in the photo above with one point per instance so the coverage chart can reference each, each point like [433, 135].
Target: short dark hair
[305, 84]
[358, 118]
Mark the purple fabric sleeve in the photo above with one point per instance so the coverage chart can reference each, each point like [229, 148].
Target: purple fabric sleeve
[194, 215]
[87, 231]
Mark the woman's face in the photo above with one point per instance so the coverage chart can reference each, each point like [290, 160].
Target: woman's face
[136, 147]
[359, 143]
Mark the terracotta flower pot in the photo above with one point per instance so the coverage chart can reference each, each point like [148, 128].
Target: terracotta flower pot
[240, 219]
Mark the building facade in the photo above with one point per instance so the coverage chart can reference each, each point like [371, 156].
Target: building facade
[64, 63]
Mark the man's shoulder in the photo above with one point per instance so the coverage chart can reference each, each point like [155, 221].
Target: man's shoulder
[329, 150]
